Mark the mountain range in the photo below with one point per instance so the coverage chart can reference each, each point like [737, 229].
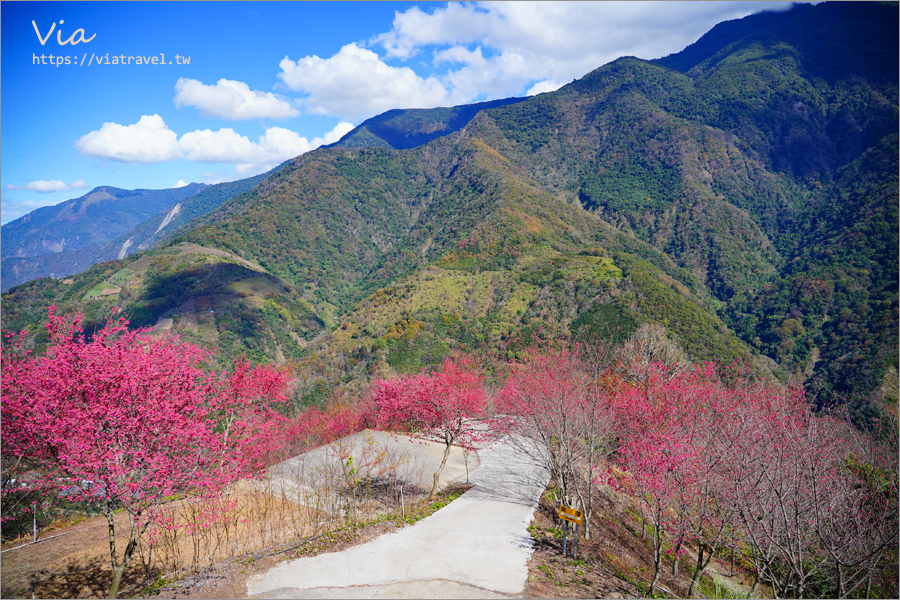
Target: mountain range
[743, 193]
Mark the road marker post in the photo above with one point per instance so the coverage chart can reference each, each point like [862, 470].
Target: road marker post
[567, 514]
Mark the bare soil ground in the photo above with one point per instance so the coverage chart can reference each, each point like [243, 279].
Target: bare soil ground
[73, 565]
[76, 563]
[615, 562]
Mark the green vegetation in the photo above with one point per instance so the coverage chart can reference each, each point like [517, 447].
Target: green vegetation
[206, 297]
[743, 193]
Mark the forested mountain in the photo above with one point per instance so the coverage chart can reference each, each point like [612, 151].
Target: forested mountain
[743, 193]
[106, 224]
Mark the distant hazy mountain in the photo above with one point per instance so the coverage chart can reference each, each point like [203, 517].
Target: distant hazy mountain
[57, 240]
[68, 238]
[408, 128]
[743, 193]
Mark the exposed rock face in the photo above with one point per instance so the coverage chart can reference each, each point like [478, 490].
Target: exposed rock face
[123, 251]
[176, 210]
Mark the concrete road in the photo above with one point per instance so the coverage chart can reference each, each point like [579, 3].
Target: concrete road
[477, 547]
[411, 461]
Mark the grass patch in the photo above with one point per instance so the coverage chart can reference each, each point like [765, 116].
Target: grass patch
[712, 588]
[101, 290]
[122, 276]
[426, 508]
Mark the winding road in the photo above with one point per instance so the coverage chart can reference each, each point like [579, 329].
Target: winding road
[476, 547]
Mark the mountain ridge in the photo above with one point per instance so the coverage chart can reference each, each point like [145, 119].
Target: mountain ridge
[113, 233]
[725, 199]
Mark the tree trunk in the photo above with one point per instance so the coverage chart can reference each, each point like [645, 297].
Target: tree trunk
[697, 574]
[839, 593]
[657, 560]
[114, 559]
[437, 475]
[700, 568]
[117, 579]
[590, 503]
[677, 562]
[117, 568]
[752, 593]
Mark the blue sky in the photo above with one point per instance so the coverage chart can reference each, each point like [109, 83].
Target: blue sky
[267, 81]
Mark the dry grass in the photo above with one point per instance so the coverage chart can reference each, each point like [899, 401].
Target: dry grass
[617, 561]
[253, 518]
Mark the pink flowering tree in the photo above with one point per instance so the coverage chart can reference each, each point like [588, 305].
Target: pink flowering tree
[815, 498]
[857, 513]
[440, 405]
[559, 408]
[661, 465]
[127, 420]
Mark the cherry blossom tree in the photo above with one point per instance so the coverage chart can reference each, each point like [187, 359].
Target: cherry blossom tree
[855, 503]
[814, 498]
[442, 405]
[127, 420]
[663, 468]
[558, 406]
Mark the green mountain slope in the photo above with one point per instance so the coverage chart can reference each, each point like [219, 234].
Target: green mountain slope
[743, 193]
[207, 296]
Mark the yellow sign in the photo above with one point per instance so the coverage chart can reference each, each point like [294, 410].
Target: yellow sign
[570, 514]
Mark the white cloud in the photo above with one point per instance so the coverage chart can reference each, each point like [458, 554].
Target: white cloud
[339, 131]
[455, 24]
[461, 54]
[224, 145]
[148, 141]
[507, 48]
[44, 187]
[355, 83]
[11, 210]
[543, 86]
[232, 100]
[180, 184]
[277, 144]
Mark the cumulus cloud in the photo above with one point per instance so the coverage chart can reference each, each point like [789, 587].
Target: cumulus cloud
[148, 141]
[355, 83]
[543, 86]
[233, 100]
[180, 184]
[339, 131]
[44, 187]
[224, 145]
[505, 48]
[455, 24]
[276, 145]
